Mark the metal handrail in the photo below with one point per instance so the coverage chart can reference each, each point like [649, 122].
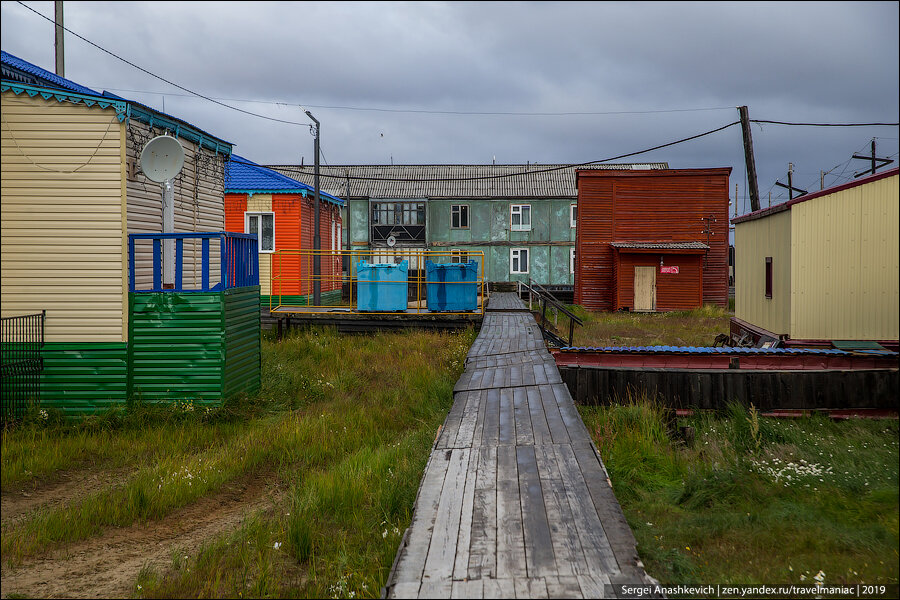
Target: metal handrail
[544, 297]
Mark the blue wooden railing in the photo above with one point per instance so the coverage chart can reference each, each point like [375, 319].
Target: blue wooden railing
[239, 260]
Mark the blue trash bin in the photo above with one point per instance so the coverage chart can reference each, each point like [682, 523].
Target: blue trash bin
[451, 288]
[381, 287]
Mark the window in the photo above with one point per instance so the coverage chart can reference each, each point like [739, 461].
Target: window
[459, 216]
[263, 225]
[571, 260]
[459, 256]
[520, 217]
[518, 260]
[768, 277]
[572, 214]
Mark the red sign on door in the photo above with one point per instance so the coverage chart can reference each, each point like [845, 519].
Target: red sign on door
[672, 270]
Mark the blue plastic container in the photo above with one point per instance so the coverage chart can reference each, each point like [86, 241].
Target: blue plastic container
[381, 287]
[451, 287]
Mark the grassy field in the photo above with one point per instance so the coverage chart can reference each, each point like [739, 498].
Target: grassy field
[341, 453]
[755, 500]
[697, 327]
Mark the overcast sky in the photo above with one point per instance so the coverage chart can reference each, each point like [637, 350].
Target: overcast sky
[384, 78]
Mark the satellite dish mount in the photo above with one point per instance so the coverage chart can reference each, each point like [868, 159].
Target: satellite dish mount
[161, 161]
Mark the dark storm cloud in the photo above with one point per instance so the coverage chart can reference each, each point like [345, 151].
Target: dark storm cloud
[834, 62]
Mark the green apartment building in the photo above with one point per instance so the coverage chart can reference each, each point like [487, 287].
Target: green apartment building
[522, 217]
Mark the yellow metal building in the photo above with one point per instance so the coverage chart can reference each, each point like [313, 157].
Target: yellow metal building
[822, 267]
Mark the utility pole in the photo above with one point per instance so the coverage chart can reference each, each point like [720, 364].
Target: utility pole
[60, 50]
[748, 158]
[790, 184]
[735, 199]
[317, 240]
[876, 162]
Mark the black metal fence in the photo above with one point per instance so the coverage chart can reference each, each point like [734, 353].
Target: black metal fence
[21, 342]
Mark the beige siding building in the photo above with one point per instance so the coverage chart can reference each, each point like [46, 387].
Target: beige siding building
[823, 267]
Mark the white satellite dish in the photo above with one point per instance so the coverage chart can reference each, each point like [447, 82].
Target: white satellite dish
[391, 241]
[162, 158]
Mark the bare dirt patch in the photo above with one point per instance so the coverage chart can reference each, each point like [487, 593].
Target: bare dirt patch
[106, 566]
[67, 487]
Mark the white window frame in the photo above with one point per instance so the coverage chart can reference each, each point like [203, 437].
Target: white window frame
[458, 208]
[573, 213]
[572, 260]
[458, 256]
[258, 233]
[517, 253]
[520, 210]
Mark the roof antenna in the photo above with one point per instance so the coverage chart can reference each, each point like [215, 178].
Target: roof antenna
[301, 160]
[494, 160]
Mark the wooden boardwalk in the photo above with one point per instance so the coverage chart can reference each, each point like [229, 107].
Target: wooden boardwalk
[515, 501]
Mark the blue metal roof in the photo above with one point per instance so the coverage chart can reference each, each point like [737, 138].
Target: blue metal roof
[713, 350]
[43, 76]
[245, 176]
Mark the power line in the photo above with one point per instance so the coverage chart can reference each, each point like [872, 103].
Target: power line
[824, 124]
[128, 62]
[534, 171]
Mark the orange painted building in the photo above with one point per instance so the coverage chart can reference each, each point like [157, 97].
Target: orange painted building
[281, 211]
[652, 240]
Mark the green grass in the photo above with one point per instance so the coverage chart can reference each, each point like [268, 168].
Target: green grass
[343, 425]
[697, 327]
[755, 500]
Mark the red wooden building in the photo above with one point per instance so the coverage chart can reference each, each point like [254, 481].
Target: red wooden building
[652, 240]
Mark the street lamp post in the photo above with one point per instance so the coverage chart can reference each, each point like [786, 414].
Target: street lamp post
[317, 240]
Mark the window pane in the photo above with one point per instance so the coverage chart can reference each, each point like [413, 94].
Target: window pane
[464, 216]
[253, 225]
[268, 232]
[516, 218]
[454, 217]
[526, 215]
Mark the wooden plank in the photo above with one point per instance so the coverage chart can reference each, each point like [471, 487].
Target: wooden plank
[620, 536]
[461, 561]
[491, 408]
[510, 536]
[405, 590]
[539, 557]
[468, 420]
[449, 430]
[570, 558]
[477, 434]
[539, 428]
[563, 587]
[569, 414]
[597, 550]
[530, 587]
[440, 588]
[483, 544]
[468, 589]
[595, 586]
[499, 588]
[444, 537]
[411, 561]
[524, 433]
[507, 433]
[558, 431]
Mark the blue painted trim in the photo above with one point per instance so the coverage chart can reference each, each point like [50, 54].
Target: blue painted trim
[120, 107]
[302, 192]
[154, 119]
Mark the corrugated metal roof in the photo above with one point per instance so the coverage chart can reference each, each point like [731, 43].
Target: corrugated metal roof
[41, 76]
[661, 245]
[242, 175]
[710, 350]
[450, 181]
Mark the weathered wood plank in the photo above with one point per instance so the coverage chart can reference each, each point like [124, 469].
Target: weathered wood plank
[468, 589]
[563, 587]
[499, 588]
[405, 590]
[530, 587]
[595, 586]
[510, 536]
[539, 557]
[411, 562]
[570, 558]
[444, 537]
[558, 431]
[524, 432]
[507, 418]
[440, 588]
[461, 561]
[491, 433]
[468, 419]
[483, 544]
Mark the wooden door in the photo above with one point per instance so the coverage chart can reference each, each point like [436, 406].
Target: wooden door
[645, 289]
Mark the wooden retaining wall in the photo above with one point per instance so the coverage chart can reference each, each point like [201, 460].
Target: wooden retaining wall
[715, 389]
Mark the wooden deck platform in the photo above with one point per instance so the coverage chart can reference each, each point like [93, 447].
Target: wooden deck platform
[346, 320]
[515, 501]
